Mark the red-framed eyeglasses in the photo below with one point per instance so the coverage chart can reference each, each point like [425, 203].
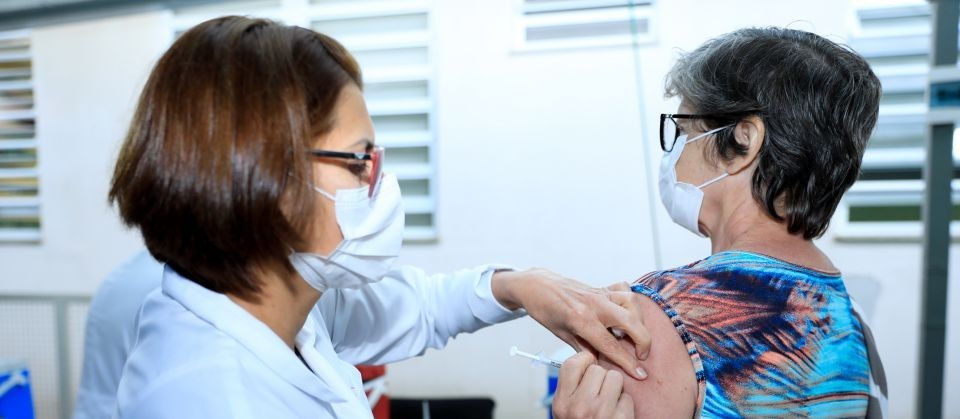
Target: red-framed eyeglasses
[375, 157]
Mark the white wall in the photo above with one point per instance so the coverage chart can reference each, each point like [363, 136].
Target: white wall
[540, 160]
[541, 164]
[87, 76]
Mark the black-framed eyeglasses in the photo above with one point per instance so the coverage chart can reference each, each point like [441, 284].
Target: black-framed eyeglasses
[670, 131]
[375, 157]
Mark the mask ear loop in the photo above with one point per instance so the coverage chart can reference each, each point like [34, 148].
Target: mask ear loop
[324, 193]
[711, 182]
[316, 188]
[718, 178]
[713, 131]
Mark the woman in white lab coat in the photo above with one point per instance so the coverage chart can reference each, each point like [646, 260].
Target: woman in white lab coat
[252, 171]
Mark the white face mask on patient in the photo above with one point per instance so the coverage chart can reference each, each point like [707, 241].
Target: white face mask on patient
[683, 200]
[372, 234]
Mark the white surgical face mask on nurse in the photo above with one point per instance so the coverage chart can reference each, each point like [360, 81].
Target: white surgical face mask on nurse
[681, 200]
[371, 219]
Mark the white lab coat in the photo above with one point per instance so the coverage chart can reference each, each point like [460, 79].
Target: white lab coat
[199, 355]
[111, 331]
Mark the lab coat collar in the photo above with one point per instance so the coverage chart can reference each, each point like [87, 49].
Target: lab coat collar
[317, 350]
[234, 321]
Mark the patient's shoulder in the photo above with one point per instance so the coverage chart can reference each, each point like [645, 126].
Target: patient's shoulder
[668, 283]
[675, 386]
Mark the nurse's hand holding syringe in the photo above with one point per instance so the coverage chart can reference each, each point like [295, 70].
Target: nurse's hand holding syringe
[582, 316]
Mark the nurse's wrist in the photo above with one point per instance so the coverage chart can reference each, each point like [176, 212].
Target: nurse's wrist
[506, 285]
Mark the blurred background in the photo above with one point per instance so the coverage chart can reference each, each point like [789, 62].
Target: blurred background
[523, 131]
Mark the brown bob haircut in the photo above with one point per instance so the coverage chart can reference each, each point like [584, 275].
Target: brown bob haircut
[210, 169]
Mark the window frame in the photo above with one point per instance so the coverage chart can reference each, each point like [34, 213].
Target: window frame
[29, 235]
[306, 13]
[893, 175]
[565, 12]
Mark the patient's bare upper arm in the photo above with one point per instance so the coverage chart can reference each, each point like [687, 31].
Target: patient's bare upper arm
[671, 389]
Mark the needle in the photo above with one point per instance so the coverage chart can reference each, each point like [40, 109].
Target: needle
[535, 358]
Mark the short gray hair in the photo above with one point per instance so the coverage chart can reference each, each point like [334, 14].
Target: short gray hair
[818, 101]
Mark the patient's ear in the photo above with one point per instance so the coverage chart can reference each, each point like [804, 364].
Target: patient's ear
[749, 133]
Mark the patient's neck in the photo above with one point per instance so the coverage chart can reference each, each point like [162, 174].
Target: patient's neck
[743, 225]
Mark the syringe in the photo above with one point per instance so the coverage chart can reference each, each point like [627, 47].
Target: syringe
[535, 358]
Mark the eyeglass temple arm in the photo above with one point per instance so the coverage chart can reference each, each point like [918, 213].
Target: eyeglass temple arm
[341, 155]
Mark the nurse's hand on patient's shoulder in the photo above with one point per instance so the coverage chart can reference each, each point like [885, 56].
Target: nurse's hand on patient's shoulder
[580, 315]
[586, 390]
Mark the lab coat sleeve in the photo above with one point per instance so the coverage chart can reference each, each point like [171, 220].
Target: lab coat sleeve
[408, 312]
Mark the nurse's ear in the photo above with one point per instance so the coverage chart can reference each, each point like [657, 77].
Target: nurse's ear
[749, 134]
